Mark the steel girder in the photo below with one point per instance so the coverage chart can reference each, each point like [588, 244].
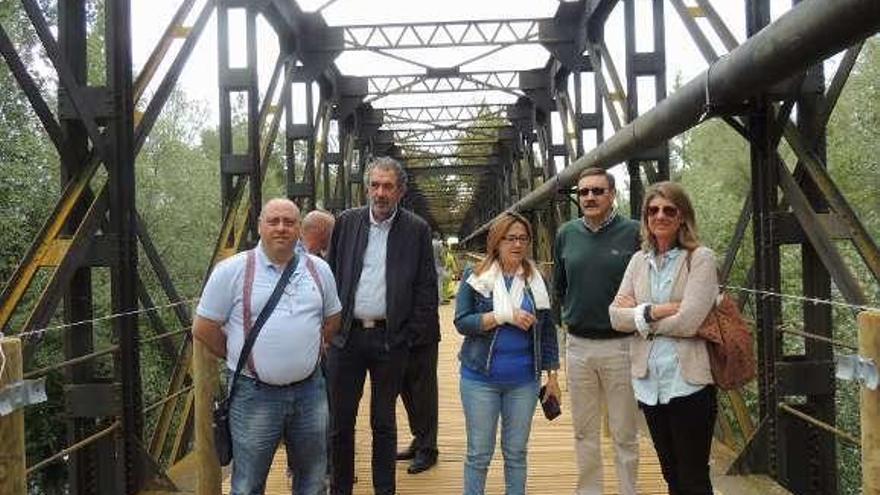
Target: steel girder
[443, 113]
[645, 64]
[67, 244]
[558, 35]
[443, 81]
[443, 34]
[758, 63]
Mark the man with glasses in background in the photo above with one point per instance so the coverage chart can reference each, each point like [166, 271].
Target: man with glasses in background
[591, 254]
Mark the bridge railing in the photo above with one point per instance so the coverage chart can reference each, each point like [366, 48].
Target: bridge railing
[20, 389]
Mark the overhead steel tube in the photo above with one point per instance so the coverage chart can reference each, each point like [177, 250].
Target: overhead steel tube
[807, 34]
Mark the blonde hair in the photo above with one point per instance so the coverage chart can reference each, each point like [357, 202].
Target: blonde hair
[497, 231]
[688, 237]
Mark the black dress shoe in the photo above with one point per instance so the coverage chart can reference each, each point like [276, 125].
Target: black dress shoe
[423, 461]
[405, 455]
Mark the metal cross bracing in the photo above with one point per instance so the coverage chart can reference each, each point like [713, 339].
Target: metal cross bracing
[444, 113]
[468, 160]
[442, 81]
[395, 122]
[445, 134]
[443, 34]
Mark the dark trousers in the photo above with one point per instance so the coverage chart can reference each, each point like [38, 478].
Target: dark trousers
[365, 351]
[419, 394]
[682, 434]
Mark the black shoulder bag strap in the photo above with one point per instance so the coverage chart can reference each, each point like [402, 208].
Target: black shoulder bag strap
[261, 319]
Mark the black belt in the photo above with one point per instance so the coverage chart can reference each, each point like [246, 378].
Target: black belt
[368, 324]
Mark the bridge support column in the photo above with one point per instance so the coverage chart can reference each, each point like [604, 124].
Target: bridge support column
[206, 381]
[869, 348]
[645, 66]
[13, 476]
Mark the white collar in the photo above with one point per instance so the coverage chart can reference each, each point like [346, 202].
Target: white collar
[384, 223]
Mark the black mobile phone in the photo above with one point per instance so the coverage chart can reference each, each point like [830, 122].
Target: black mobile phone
[550, 406]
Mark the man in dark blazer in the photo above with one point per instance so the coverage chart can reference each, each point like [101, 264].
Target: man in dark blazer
[382, 258]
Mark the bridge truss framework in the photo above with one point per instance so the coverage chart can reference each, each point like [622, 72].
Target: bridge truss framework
[468, 163]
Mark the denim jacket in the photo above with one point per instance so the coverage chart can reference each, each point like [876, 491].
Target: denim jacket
[476, 351]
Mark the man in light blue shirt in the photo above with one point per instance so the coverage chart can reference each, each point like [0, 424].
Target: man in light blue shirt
[281, 393]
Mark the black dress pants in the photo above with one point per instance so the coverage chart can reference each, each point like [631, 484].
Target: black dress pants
[365, 351]
[419, 394]
[682, 434]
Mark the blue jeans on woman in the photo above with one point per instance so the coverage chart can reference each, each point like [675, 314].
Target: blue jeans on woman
[262, 415]
[483, 402]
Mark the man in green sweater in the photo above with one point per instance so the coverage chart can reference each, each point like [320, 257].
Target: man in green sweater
[591, 255]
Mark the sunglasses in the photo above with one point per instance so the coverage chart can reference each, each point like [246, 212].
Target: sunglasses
[668, 211]
[522, 239]
[595, 191]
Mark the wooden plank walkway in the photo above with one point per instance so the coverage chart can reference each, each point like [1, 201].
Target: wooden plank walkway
[552, 467]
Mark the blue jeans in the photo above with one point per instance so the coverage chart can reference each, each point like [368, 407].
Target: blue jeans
[261, 416]
[483, 403]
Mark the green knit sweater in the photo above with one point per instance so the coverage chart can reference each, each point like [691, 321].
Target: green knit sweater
[588, 270]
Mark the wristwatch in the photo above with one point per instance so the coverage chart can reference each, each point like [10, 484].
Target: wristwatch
[647, 314]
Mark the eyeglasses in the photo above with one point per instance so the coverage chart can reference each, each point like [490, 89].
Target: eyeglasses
[596, 191]
[668, 211]
[522, 239]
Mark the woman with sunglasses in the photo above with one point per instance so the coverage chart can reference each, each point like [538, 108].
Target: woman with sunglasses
[667, 291]
[503, 311]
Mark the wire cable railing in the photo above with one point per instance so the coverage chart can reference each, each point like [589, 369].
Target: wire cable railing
[104, 318]
[65, 452]
[813, 300]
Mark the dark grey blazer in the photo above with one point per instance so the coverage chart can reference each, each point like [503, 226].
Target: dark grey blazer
[410, 278]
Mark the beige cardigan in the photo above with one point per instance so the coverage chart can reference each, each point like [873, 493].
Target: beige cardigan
[696, 289]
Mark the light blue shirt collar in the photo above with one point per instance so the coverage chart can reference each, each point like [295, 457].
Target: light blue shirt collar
[263, 258]
[658, 261]
[384, 224]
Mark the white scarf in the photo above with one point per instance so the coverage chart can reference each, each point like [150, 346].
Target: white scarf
[490, 283]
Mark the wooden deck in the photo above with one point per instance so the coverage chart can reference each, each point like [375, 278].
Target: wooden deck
[552, 465]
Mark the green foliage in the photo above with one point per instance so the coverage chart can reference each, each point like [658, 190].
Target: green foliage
[853, 150]
[28, 161]
[178, 192]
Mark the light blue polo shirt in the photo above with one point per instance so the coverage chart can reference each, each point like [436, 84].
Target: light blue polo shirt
[288, 346]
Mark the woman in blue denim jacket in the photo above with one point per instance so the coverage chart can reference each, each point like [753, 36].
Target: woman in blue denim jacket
[503, 310]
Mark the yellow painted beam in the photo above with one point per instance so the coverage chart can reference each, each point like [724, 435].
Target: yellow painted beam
[696, 11]
[54, 252]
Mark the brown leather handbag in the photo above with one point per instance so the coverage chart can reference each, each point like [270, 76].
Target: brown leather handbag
[730, 344]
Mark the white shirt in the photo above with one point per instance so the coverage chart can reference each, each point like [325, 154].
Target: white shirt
[369, 297]
[288, 346]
